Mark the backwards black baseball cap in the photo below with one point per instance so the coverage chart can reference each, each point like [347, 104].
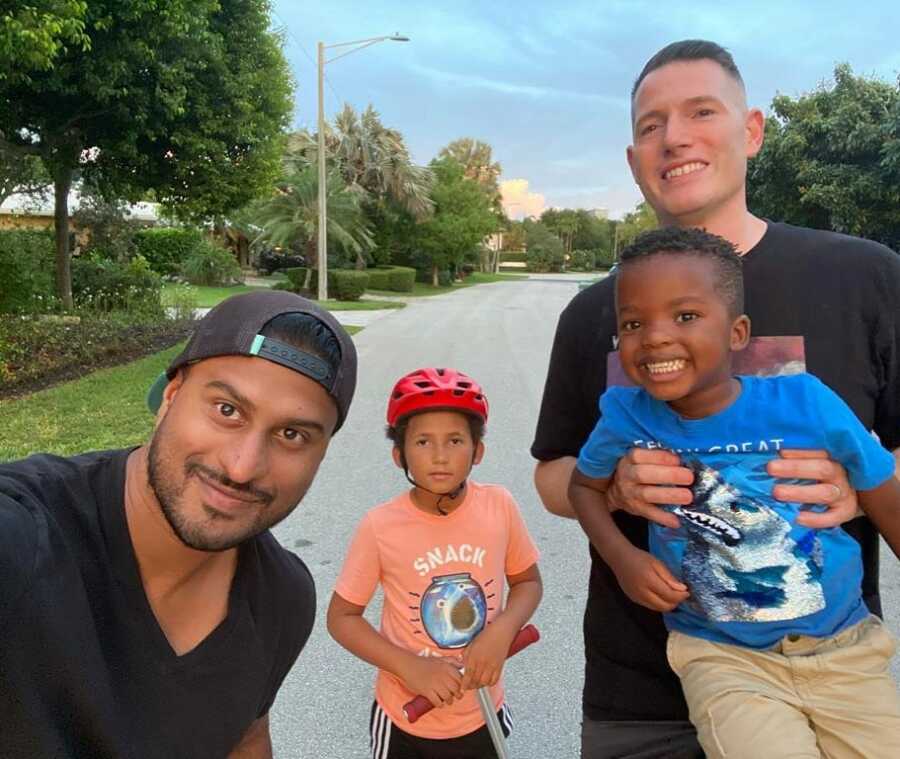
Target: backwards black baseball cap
[233, 329]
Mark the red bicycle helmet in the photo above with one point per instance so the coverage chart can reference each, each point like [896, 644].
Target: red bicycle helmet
[434, 389]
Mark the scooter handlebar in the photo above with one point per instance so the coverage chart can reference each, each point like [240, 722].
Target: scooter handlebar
[420, 706]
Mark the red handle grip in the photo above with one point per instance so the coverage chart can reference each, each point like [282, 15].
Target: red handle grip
[420, 706]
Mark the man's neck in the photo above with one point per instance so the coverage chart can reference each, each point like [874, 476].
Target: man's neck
[165, 563]
[735, 223]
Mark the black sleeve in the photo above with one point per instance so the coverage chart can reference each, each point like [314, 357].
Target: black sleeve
[18, 552]
[887, 411]
[297, 612]
[567, 414]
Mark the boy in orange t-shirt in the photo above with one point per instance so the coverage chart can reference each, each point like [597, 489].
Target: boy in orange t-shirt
[441, 552]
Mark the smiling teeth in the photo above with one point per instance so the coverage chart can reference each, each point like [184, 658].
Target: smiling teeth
[666, 366]
[682, 170]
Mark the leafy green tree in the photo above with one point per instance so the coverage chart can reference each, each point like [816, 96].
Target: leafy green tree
[514, 236]
[373, 162]
[545, 250]
[33, 34]
[641, 219]
[21, 173]
[463, 217]
[185, 97]
[290, 218]
[479, 165]
[831, 159]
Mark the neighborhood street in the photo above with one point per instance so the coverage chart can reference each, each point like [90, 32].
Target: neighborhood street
[501, 335]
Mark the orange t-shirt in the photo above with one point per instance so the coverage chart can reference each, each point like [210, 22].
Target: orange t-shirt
[443, 579]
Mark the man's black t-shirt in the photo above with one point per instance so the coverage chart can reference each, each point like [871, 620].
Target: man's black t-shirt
[841, 295]
[85, 669]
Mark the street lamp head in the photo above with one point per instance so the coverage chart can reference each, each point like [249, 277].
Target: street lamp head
[398, 38]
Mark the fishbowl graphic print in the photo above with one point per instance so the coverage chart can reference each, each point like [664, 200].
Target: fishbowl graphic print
[453, 610]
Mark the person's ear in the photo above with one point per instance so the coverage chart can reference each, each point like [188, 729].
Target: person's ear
[629, 156]
[169, 393]
[740, 333]
[479, 453]
[397, 456]
[755, 126]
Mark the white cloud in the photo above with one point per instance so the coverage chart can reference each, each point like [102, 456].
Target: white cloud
[518, 202]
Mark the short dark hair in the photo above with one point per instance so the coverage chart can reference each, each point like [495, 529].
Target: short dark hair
[397, 433]
[689, 50]
[306, 332]
[694, 242]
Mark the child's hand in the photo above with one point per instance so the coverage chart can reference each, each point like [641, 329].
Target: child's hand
[647, 581]
[436, 678]
[485, 656]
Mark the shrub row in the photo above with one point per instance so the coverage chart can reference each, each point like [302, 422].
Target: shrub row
[400, 279]
[36, 350]
[27, 261]
[108, 286]
[167, 249]
[343, 284]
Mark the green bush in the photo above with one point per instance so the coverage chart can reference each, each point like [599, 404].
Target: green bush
[343, 284]
[512, 257]
[211, 264]
[100, 285]
[167, 249]
[604, 259]
[400, 279]
[583, 260]
[347, 284]
[40, 349]
[27, 265]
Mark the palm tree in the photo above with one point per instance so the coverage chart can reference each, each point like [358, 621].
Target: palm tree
[370, 158]
[478, 162]
[291, 217]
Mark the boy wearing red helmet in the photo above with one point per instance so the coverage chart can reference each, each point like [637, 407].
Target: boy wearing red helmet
[441, 551]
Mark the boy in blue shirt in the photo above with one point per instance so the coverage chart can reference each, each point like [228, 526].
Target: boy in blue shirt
[776, 652]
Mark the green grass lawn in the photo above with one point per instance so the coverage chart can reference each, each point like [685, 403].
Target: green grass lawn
[207, 297]
[105, 409]
[420, 289]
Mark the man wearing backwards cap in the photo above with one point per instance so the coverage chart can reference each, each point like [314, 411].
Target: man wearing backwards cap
[145, 609]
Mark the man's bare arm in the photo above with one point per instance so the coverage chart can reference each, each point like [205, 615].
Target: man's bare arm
[551, 478]
[256, 743]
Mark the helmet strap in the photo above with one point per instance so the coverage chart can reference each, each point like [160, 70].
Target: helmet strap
[451, 495]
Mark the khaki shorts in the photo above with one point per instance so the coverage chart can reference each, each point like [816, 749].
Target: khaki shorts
[807, 697]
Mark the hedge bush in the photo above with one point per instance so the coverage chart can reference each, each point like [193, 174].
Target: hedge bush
[109, 286]
[343, 284]
[167, 249]
[37, 350]
[211, 264]
[583, 260]
[400, 279]
[604, 259]
[27, 265]
[517, 257]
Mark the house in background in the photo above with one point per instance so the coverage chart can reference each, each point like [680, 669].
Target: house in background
[20, 211]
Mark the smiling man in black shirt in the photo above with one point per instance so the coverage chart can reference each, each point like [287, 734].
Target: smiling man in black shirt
[817, 300]
[145, 609]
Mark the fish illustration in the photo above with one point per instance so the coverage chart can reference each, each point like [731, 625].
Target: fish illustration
[740, 562]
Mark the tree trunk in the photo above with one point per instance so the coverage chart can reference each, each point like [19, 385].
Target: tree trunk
[434, 275]
[311, 263]
[62, 183]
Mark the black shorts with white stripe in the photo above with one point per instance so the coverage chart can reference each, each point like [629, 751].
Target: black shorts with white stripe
[387, 741]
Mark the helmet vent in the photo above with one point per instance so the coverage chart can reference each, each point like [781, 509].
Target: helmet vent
[423, 384]
[464, 384]
[440, 372]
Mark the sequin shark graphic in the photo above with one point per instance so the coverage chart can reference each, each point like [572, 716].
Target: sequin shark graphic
[740, 562]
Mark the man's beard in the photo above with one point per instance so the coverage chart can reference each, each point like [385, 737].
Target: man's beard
[171, 500]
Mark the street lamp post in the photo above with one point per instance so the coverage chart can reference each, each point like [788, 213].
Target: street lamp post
[323, 212]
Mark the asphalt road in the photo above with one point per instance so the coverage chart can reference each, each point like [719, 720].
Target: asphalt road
[500, 334]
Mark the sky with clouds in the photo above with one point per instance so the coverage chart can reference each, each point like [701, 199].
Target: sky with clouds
[546, 84]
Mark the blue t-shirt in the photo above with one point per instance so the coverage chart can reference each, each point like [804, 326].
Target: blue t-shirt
[754, 575]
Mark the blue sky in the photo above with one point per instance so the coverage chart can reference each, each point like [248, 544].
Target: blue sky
[547, 84]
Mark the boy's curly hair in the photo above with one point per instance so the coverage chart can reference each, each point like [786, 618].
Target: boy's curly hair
[694, 242]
